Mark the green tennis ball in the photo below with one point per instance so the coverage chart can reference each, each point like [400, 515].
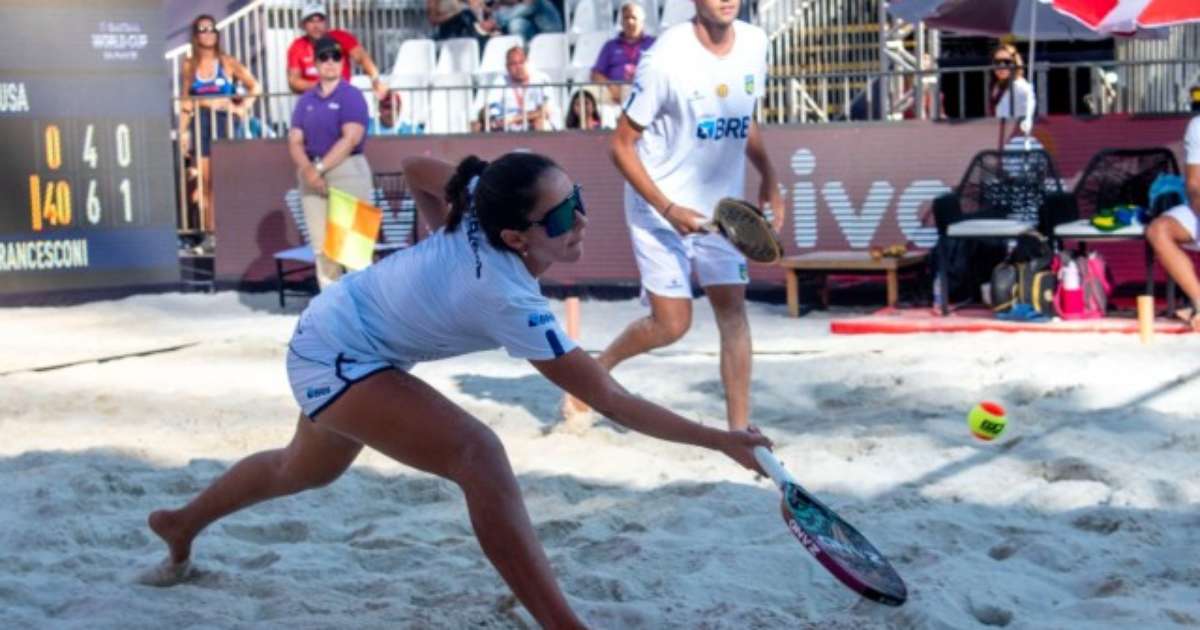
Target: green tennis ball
[987, 421]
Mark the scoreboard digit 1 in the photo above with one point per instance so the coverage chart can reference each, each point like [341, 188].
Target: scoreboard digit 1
[86, 182]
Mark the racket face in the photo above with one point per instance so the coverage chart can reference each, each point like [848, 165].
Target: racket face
[748, 231]
[841, 549]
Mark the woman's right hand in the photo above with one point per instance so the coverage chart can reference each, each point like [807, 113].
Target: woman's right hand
[739, 446]
[185, 142]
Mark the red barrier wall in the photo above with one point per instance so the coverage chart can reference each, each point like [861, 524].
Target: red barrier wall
[849, 186]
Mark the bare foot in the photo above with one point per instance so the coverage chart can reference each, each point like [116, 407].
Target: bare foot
[166, 524]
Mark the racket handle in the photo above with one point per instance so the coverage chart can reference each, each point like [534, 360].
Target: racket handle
[771, 464]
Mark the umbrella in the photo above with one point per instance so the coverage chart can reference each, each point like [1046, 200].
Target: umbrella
[1128, 16]
[995, 18]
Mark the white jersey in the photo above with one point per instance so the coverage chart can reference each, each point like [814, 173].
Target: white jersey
[1191, 143]
[451, 294]
[696, 109]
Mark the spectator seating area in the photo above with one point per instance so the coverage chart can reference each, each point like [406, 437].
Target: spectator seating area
[438, 80]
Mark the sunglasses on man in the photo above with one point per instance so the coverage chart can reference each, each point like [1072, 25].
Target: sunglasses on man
[332, 55]
[561, 218]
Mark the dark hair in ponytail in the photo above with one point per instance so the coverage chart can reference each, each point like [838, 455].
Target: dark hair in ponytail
[504, 196]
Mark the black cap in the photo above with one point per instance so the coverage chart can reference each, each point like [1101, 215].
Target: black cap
[325, 44]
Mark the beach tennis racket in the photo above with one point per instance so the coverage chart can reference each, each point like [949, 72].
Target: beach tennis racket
[844, 552]
[746, 229]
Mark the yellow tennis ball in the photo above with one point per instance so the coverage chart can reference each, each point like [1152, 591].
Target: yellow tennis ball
[987, 421]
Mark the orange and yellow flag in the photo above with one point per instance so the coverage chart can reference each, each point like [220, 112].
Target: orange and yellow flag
[351, 229]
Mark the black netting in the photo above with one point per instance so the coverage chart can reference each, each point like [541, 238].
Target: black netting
[1119, 177]
[1007, 185]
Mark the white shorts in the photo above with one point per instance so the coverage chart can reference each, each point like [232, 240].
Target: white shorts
[319, 373]
[1184, 215]
[666, 259]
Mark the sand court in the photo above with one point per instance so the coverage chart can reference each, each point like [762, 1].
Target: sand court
[1083, 514]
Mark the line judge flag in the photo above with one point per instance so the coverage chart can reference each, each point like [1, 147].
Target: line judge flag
[351, 229]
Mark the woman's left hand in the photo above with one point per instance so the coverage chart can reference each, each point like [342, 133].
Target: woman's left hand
[770, 197]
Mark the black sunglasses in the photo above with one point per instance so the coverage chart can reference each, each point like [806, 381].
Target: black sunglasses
[561, 218]
[329, 56]
[1004, 63]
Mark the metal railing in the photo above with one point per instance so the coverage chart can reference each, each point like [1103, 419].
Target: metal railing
[1077, 88]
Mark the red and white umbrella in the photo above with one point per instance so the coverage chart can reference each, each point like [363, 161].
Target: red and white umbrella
[1129, 16]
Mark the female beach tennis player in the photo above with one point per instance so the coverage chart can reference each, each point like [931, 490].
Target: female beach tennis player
[470, 286]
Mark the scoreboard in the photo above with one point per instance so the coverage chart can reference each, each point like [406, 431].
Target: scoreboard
[86, 178]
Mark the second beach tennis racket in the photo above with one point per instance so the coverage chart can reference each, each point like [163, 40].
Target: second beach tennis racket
[844, 552]
[746, 229]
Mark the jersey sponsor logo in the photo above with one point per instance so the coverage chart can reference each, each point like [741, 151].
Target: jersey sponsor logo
[719, 128]
[316, 392]
[540, 318]
[749, 85]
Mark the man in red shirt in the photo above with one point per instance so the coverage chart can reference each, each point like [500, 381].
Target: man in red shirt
[302, 70]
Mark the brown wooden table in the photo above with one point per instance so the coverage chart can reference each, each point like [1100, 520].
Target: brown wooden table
[850, 263]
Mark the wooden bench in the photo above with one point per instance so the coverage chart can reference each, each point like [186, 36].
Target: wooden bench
[851, 262]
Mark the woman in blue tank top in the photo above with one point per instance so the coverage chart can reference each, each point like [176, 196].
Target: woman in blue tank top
[217, 108]
[507, 223]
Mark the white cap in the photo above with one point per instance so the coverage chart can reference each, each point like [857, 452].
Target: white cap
[311, 9]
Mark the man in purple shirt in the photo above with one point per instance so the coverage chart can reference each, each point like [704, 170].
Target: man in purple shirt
[326, 144]
[618, 59]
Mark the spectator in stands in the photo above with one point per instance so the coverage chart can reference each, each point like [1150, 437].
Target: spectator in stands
[1178, 227]
[527, 17]
[303, 74]
[326, 144]
[1011, 96]
[582, 113]
[618, 59]
[388, 122]
[519, 100]
[454, 19]
[212, 75]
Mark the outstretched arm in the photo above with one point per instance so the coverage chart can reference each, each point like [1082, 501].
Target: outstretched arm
[583, 377]
[426, 178]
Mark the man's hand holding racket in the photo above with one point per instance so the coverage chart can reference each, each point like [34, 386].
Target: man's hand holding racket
[684, 219]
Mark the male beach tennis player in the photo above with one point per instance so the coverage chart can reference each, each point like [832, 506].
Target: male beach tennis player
[681, 144]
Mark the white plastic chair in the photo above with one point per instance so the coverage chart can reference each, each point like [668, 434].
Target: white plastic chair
[416, 56]
[549, 53]
[414, 97]
[362, 83]
[459, 55]
[588, 16]
[676, 11]
[494, 54]
[450, 109]
[587, 49]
